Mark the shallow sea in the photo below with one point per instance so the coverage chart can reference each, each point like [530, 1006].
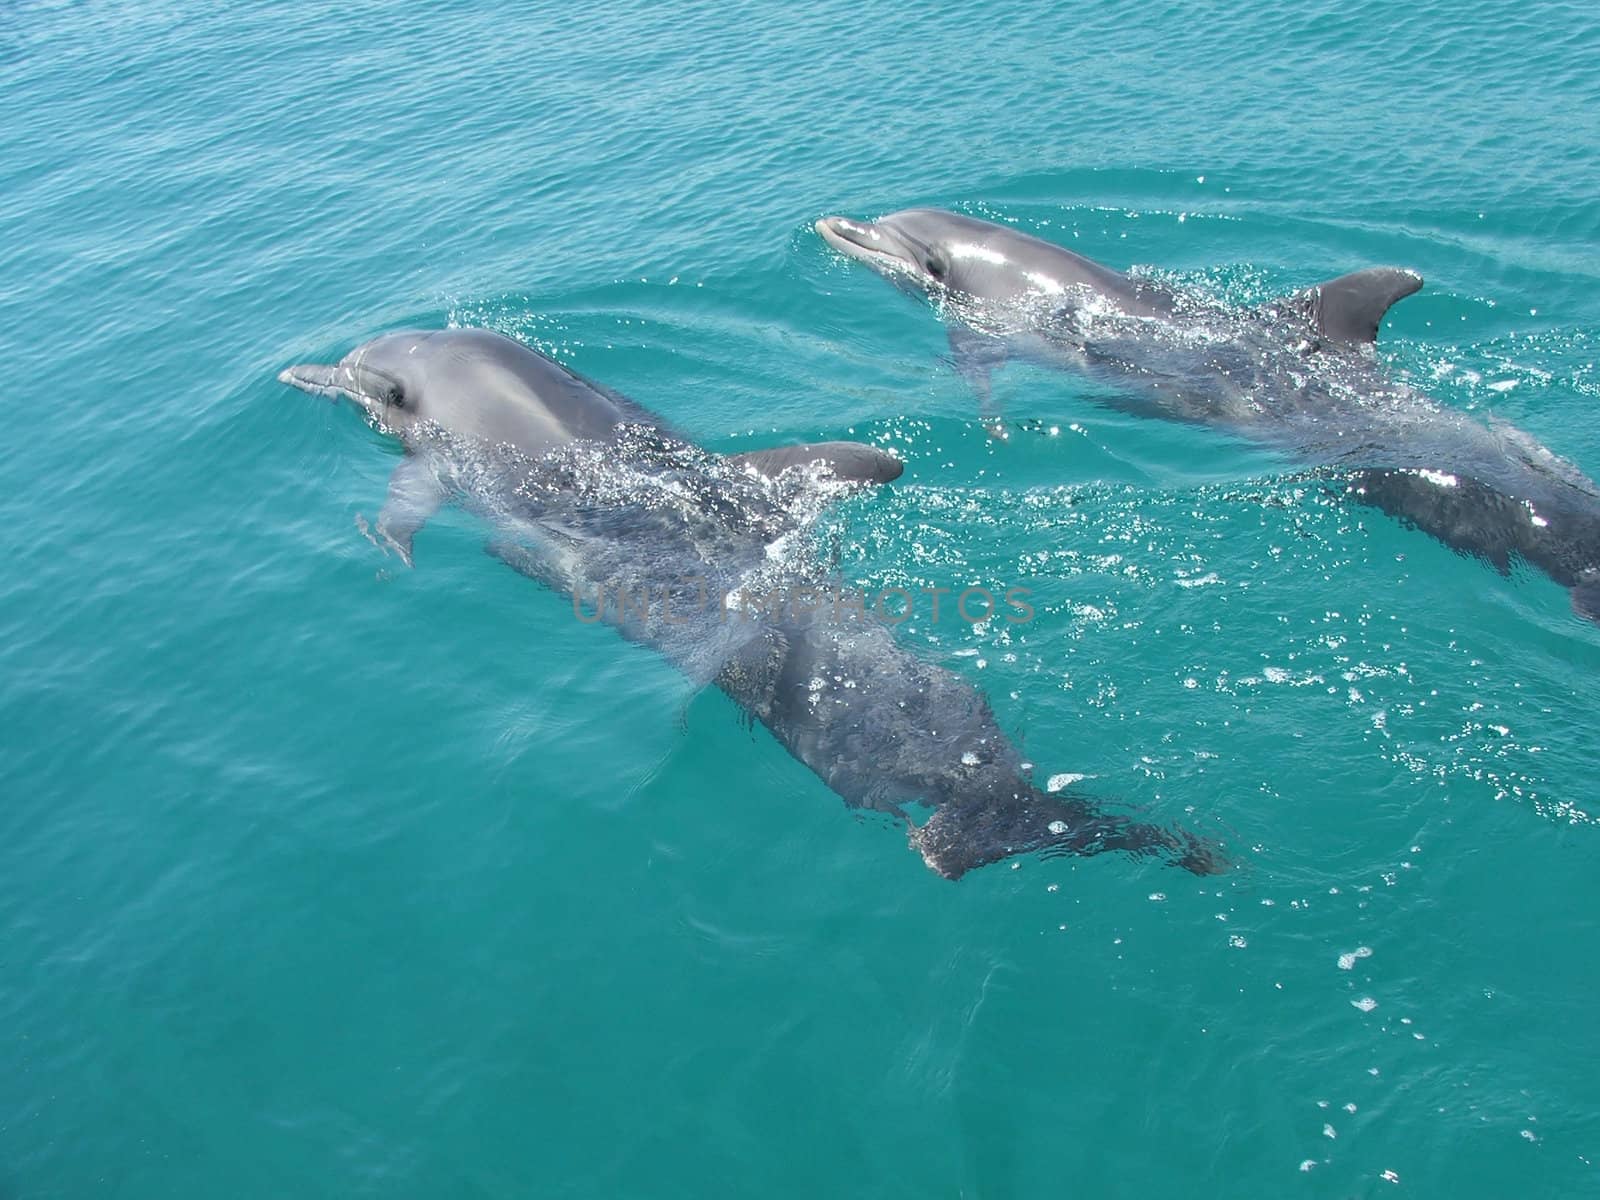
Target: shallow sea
[322, 877]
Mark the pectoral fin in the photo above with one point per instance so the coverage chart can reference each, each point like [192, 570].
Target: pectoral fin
[849, 462]
[975, 357]
[415, 493]
[1350, 308]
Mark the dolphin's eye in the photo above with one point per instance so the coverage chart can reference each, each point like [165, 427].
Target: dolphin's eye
[393, 397]
[935, 267]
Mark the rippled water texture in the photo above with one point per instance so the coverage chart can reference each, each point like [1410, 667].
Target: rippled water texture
[323, 877]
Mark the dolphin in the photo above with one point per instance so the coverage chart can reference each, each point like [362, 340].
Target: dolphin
[1298, 374]
[693, 554]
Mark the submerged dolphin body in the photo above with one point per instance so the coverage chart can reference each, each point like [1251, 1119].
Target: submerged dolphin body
[1298, 375]
[592, 495]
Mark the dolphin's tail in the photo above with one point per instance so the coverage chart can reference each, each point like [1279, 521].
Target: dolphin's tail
[959, 837]
[1586, 595]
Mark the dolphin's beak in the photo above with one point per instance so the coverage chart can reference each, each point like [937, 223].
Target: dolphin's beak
[832, 230]
[315, 378]
[861, 240]
[847, 236]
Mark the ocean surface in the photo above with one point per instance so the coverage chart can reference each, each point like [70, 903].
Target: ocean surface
[324, 877]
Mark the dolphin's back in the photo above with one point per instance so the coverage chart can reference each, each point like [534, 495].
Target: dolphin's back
[511, 394]
[1050, 267]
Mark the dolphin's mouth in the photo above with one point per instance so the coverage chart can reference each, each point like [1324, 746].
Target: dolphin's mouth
[863, 240]
[316, 378]
[372, 389]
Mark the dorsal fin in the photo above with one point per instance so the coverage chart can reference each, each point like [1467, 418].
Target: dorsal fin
[1349, 308]
[851, 462]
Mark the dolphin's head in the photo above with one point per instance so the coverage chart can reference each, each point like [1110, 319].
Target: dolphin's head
[989, 270]
[467, 385]
[386, 377]
[930, 250]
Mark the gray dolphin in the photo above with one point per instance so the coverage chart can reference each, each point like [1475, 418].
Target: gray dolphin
[481, 388]
[1298, 374]
[683, 551]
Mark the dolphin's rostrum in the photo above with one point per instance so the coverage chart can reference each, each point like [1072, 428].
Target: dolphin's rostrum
[584, 489]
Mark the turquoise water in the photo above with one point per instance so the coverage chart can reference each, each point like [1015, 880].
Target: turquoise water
[321, 877]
